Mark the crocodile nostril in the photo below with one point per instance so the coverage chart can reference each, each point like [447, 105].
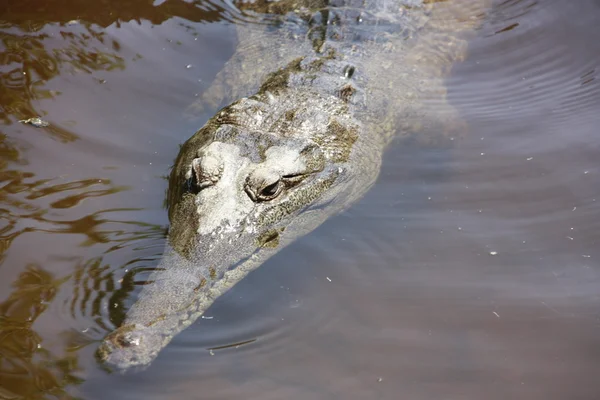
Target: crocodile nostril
[349, 71]
[128, 339]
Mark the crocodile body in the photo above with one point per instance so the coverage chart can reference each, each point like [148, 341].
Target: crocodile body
[321, 88]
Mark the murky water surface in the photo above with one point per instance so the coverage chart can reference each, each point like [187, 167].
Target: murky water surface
[465, 273]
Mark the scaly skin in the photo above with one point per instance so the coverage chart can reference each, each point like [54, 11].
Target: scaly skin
[331, 82]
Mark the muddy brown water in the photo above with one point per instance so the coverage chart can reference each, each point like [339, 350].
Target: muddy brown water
[470, 272]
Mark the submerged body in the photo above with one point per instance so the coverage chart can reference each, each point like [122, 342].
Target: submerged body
[329, 84]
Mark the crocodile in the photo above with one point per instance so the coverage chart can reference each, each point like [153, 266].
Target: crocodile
[316, 89]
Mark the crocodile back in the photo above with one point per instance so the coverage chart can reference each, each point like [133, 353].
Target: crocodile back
[395, 54]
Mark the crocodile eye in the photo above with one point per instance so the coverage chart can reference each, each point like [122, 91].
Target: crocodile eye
[264, 185]
[271, 191]
[264, 193]
[206, 171]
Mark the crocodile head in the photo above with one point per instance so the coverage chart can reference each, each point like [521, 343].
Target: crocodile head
[262, 172]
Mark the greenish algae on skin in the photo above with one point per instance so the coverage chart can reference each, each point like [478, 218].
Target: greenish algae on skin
[321, 90]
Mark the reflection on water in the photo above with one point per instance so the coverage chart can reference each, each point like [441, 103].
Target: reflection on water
[31, 58]
[27, 369]
[41, 42]
[469, 272]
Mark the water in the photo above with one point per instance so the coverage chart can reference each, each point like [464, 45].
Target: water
[465, 273]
